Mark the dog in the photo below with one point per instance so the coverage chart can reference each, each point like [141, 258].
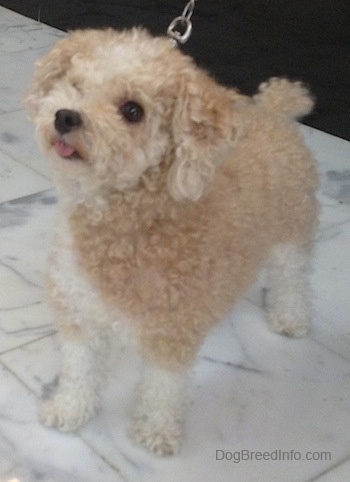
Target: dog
[173, 192]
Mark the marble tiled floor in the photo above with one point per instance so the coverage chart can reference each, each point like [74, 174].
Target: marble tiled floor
[253, 390]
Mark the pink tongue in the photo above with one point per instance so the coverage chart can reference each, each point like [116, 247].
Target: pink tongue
[63, 149]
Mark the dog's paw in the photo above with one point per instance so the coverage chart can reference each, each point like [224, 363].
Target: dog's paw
[291, 328]
[159, 440]
[65, 413]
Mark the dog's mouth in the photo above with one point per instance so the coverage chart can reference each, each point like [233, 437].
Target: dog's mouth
[65, 150]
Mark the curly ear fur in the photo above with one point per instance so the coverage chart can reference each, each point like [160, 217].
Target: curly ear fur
[50, 68]
[203, 129]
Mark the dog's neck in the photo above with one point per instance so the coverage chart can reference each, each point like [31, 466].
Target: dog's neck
[151, 190]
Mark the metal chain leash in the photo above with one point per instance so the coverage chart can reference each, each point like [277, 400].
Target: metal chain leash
[180, 28]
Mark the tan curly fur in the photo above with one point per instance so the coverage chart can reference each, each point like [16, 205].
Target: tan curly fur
[170, 218]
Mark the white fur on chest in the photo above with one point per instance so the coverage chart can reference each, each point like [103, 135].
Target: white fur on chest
[81, 298]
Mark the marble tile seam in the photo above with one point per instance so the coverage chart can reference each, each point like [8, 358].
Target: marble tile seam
[113, 466]
[328, 471]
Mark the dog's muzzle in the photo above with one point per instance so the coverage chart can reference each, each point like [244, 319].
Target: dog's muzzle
[66, 120]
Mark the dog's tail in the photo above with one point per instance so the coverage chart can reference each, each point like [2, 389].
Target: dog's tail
[286, 97]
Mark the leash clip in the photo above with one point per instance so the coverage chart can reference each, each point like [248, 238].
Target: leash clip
[180, 28]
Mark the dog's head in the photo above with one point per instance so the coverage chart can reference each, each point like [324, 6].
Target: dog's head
[110, 107]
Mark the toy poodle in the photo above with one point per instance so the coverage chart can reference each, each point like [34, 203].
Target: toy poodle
[173, 192]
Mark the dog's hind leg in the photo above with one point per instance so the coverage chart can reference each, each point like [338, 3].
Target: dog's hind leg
[76, 397]
[288, 296]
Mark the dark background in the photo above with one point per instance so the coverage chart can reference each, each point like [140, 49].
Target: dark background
[241, 42]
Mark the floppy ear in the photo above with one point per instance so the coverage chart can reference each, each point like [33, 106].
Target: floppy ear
[203, 131]
[50, 68]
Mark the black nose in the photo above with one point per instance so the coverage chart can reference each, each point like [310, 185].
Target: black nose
[67, 120]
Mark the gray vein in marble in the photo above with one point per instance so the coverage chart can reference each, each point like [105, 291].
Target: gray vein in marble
[46, 197]
[21, 37]
[330, 233]
[16, 211]
[113, 466]
[30, 329]
[337, 185]
[239, 341]
[328, 470]
[20, 307]
[140, 467]
[8, 138]
[237, 366]
[329, 349]
[47, 388]
[23, 278]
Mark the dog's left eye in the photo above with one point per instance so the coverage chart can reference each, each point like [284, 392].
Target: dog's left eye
[132, 112]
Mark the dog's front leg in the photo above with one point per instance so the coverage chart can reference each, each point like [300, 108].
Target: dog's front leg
[159, 413]
[76, 397]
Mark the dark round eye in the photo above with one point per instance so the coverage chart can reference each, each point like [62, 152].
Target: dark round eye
[132, 112]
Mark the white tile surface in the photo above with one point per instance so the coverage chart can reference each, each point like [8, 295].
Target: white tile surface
[17, 180]
[253, 390]
[28, 453]
[339, 473]
[17, 140]
[19, 34]
[17, 70]
[25, 226]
